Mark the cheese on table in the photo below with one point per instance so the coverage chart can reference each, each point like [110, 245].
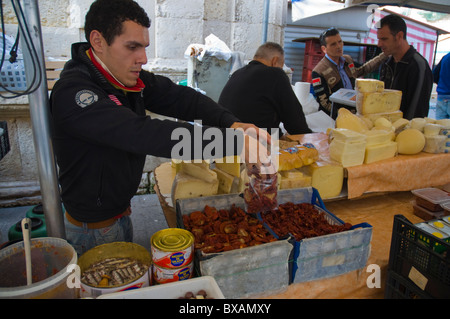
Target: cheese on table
[231, 165]
[348, 120]
[227, 183]
[400, 124]
[378, 102]
[391, 116]
[294, 179]
[346, 135]
[186, 186]
[369, 85]
[410, 141]
[418, 123]
[435, 143]
[347, 153]
[200, 171]
[326, 177]
[431, 129]
[378, 136]
[378, 152]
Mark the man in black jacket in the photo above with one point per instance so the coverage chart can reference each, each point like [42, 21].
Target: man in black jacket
[261, 93]
[405, 70]
[101, 132]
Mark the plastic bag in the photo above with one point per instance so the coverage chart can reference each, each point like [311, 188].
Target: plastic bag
[260, 195]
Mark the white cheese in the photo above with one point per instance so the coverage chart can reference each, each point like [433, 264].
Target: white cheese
[378, 152]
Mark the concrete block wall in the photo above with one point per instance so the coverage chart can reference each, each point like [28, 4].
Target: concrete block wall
[175, 25]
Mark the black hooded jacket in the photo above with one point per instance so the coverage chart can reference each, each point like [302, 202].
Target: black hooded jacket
[101, 134]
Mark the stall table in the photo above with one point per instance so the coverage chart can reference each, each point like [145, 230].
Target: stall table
[366, 201]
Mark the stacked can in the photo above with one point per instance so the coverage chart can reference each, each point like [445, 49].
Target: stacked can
[172, 255]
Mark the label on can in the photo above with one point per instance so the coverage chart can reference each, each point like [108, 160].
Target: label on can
[163, 275]
[172, 248]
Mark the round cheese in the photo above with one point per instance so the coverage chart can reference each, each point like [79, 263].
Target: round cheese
[418, 123]
[410, 141]
[431, 129]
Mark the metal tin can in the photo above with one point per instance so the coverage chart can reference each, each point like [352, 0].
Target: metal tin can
[172, 248]
[163, 275]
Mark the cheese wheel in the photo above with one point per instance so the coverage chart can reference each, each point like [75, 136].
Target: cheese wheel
[418, 123]
[410, 141]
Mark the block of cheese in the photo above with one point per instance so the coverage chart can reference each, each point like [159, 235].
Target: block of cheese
[294, 179]
[392, 99]
[346, 135]
[378, 102]
[231, 165]
[296, 156]
[369, 85]
[348, 154]
[227, 182]
[348, 120]
[435, 143]
[378, 152]
[391, 116]
[326, 177]
[410, 141]
[177, 163]
[378, 136]
[200, 171]
[186, 186]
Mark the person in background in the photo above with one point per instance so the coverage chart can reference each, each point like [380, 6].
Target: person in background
[405, 69]
[101, 133]
[337, 71]
[441, 76]
[261, 93]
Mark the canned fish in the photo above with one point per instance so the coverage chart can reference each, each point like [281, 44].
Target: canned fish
[163, 275]
[172, 248]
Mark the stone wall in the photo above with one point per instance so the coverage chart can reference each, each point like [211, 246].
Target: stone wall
[175, 25]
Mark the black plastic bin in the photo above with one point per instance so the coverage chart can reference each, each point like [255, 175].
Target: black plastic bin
[418, 262]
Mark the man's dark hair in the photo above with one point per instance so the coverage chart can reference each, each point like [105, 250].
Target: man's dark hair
[327, 33]
[107, 17]
[395, 24]
[268, 49]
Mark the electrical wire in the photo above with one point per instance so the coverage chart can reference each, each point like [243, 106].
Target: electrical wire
[36, 79]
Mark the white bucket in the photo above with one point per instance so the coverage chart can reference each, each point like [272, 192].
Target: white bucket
[50, 258]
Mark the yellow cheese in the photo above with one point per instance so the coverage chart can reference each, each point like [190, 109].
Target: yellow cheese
[400, 124]
[231, 165]
[346, 135]
[379, 136]
[369, 85]
[378, 152]
[348, 120]
[226, 181]
[186, 186]
[294, 180]
[348, 154]
[327, 178]
[410, 141]
[392, 99]
[418, 123]
[200, 171]
[378, 102]
[383, 122]
[391, 116]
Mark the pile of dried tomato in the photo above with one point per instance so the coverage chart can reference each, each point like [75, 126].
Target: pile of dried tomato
[223, 230]
[301, 221]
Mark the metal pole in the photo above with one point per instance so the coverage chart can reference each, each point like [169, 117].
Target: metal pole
[265, 20]
[39, 113]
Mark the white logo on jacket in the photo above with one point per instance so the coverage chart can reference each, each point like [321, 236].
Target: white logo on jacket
[85, 98]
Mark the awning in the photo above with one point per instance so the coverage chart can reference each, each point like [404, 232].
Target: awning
[429, 5]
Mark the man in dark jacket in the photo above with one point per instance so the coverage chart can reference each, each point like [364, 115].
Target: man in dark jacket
[405, 70]
[100, 130]
[261, 93]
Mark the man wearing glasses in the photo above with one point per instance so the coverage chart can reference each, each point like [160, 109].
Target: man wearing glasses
[336, 71]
